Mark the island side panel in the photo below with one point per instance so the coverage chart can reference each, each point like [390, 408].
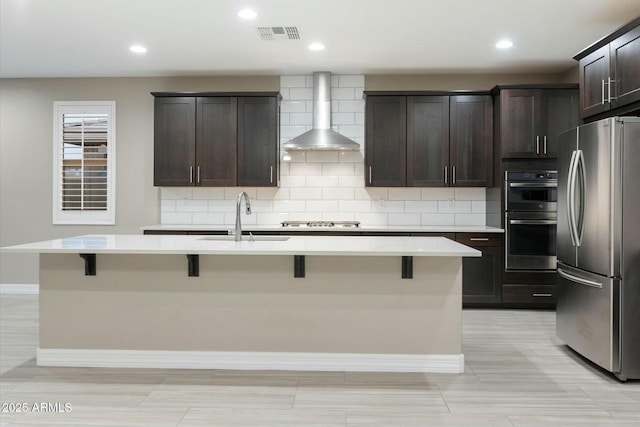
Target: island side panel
[252, 303]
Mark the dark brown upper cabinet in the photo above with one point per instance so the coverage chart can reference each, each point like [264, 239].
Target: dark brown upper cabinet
[530, 119]
[216, 140]
[428, 140]
[610, 73]
[386, 141]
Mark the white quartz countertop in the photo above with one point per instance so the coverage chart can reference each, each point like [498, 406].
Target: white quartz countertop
[293, 245]
[365, 228]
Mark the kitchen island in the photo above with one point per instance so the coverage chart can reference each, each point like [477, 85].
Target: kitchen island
[296, 303]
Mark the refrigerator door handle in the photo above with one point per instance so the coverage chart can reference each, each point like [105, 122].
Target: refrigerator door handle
[579, 280]
[579, 221]
[571, 198]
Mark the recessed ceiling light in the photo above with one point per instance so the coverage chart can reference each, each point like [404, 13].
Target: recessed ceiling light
[136, 48]
[504, 44]
[316, 46]
[247, 14]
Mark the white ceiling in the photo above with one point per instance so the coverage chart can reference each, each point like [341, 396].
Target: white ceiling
[90, 38]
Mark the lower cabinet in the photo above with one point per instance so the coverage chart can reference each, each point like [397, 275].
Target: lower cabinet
[482, 277]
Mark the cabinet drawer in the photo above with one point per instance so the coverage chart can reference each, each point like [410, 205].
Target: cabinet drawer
[479, 239]
[529, 294]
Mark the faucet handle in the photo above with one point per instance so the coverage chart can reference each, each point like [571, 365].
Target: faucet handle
[251, 238]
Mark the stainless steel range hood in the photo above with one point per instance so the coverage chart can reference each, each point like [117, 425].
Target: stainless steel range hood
[321, 137]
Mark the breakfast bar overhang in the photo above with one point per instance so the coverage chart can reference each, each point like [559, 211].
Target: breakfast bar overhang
[381, 304]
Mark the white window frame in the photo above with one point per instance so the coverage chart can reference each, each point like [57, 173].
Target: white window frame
[84, 217]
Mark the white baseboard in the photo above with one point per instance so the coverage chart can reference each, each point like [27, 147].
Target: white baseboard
[251, 360]
[19, 289]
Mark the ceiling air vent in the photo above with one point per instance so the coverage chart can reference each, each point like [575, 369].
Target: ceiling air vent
[279, 33]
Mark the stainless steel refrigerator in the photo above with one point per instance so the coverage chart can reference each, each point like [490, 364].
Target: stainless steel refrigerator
[598, 243]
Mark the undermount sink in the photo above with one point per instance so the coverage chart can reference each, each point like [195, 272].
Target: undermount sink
[248, 238]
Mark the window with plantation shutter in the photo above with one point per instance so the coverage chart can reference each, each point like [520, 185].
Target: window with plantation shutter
[84, 162]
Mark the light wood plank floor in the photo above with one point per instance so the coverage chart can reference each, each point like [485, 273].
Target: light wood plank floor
[518, 374]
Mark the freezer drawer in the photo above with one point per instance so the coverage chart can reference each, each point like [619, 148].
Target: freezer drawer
[586, 315]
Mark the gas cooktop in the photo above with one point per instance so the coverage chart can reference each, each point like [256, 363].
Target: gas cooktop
[321, 224]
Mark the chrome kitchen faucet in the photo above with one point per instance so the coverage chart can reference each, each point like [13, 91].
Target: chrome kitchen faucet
[238, 232]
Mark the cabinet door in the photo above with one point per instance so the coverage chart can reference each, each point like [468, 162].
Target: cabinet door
[174, 141]
[257, 141]
[559, 111]
[216, 124]
[471, 141]
[625, 68]
[428, 141]
[594, 75]
[482, 277]
[518, 125]
[385, 141]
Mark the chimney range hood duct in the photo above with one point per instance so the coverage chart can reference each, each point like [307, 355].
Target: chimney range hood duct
[321, 137]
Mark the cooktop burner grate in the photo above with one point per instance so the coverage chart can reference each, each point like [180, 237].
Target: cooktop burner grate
[321, 224]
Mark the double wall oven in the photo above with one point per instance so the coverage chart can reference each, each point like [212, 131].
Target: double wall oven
[531, 203]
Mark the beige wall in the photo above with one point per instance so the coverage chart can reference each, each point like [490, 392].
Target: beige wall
[26, 109]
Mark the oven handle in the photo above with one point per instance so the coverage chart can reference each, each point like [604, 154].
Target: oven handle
[533, 184]
[533, 221]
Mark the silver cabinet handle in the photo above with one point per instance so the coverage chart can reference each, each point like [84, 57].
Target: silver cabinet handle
[369, 174]
[544, 145]
[602, 103]
[190, 174]
[198, 175]
[270, 174]
[537, 145]
[453, 174]
[446, 172]
[479, 239]
[609, 81]
[579, 280]
[541, 295]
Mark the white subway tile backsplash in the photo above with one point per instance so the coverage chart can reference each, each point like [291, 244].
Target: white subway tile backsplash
[300, 119]
[175, 218]
[293, 106]
[338, 193]
[398, 193]
[300, 94]
[290, 181]
[354, 206]
[208, 218]
[167, 206]
[343, 93]
[323, 181]
[222, 206]
[324, 185]
[412, 206]
[338, 119]
[405, 219]
[305, 193]
[350, 106]
[454, 206]
[351, 157]
[469, 219]
[469, 193]
[232, 193]
[305, 169]
[287, 206]
[191, 205]
[322, 206]
[322, 156]
[338, 168]
[438, 193]
[292, 81]
[292, 131]
[438, 219]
